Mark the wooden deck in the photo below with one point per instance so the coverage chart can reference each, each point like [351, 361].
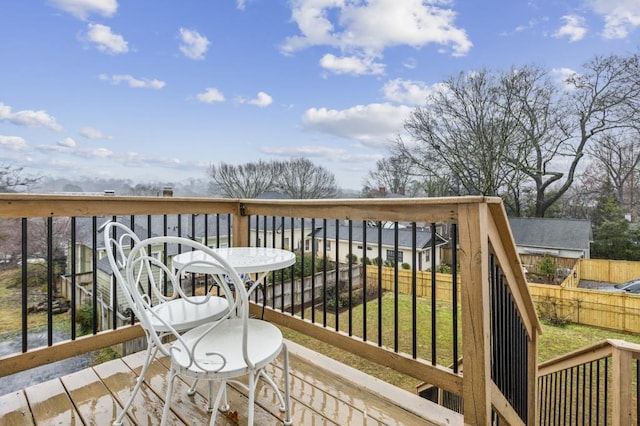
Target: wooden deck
[323, 392]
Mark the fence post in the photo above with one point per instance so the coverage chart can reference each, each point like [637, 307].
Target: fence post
[621, 387]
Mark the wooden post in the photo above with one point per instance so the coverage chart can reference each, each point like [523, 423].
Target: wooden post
[240, 236]
[475, 302]
[621, 387]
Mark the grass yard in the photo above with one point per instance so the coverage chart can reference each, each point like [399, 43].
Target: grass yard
[555, 340]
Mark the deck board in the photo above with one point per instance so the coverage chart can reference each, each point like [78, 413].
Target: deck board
[323, 392]
[14, 409]
[51, 405]
[92, 399]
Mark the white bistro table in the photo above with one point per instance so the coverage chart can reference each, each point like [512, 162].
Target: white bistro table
[245, 260]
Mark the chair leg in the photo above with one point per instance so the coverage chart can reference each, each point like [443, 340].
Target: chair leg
[225, 402]
[287, 386]
[192, 389]
[252, 397]
[273, 385]
[219, 395]
[167, 400]
[152, 350]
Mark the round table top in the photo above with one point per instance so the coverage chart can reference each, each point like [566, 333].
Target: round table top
[243, 259]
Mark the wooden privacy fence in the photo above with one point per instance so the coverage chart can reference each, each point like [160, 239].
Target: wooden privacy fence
[612, 310]
[610, 271]
[444, 289]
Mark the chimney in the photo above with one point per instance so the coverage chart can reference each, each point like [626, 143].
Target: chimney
[382, 190]
[167, 191]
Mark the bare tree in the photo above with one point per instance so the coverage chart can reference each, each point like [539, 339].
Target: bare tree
[300, 178]
[148, 189]
[394, 174]
[246, 180]
[616, 157]
[517, 133]
[541, 118]
[465, 133]
[12, 178]
[602, 100]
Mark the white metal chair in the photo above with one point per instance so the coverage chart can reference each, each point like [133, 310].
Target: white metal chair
[175, 312]
[235, 349]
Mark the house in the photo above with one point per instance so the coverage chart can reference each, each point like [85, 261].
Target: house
[337, 237]
[566, 240]
[216, 228]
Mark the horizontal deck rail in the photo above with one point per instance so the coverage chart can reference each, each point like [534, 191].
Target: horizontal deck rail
[334, 292]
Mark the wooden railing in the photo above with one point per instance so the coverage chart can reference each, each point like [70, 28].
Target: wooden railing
[597, 384]
[492, 325]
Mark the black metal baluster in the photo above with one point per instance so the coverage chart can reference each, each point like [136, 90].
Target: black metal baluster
[350, 278]
[337, 273]
[454, 283]
[25, 289]
[379, 283]
[414, 290]
[73, 278]
[313, 270]
[324, 272]
[396, 290]
[94, 272]
[50, 280]
[364, 280]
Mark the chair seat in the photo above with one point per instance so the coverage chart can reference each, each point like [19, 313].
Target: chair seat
[184, 314]
[264, 343]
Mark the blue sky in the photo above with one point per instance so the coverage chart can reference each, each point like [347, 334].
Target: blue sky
[156, 91]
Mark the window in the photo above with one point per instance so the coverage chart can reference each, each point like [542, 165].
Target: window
[394, 256]
[306, 245]
[328, 245]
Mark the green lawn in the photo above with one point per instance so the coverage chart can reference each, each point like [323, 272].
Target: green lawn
[554, 341]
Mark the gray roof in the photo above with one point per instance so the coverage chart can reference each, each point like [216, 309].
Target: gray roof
[405, 236]
[551, 233]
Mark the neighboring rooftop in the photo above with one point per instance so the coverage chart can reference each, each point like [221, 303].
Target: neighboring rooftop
[551, 232]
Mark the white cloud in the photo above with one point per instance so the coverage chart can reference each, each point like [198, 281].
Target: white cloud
[29, 118]
[261, 100]
[132, 81]
[91, 133]
[408, 91]
[574, 28]
[620, 16]
[373, 125]
[561, 75]
[314, 151]
[13, 143]
[241, 4]
[193, 45]
[351, 65]
[210, 95]
[68, 143]
[96, 153]
[410, 63]
[105, 40]
[367, 28]
[83, 8]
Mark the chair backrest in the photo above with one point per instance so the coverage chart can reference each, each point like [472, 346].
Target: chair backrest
[118, 241]
[117, 238]
[140, 265]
